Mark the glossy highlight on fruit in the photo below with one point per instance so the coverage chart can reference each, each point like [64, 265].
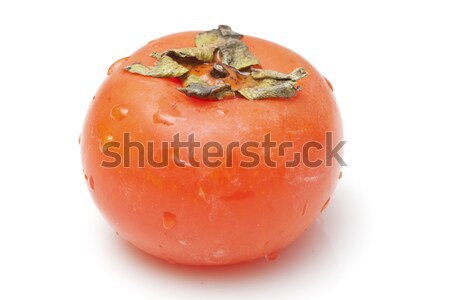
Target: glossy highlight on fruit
[209, 215]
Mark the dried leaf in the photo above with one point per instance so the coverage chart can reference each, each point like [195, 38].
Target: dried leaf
[204, 54]
[236, 54]
[212, 38]
[226, 31]
[295, 75]
[164, 67]
[270, 88]
[203, 90]
[193, 79]
[156, 55]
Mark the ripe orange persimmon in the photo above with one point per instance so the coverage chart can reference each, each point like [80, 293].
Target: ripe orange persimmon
[208, 215]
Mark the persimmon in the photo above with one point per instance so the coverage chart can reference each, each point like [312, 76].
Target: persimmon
[211, 205]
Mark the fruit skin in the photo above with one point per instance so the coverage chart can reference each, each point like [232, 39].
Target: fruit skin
[217, 215]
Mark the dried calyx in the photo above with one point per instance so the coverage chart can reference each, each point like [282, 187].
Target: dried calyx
[221, 66]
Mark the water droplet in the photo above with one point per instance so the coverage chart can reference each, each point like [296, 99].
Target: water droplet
[328, 83]
[201, 194]
[272, 256]
[305, 209]
[91, 182]
[169, 220]
[181, 162]
[117, 65]
[166, 119]
[340, 175]
[237, 195]
[104, 142]
[220, 112]
[325, 205]
[219, 253]
[118, 112]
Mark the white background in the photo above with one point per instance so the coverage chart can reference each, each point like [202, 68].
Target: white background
[385, 235]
